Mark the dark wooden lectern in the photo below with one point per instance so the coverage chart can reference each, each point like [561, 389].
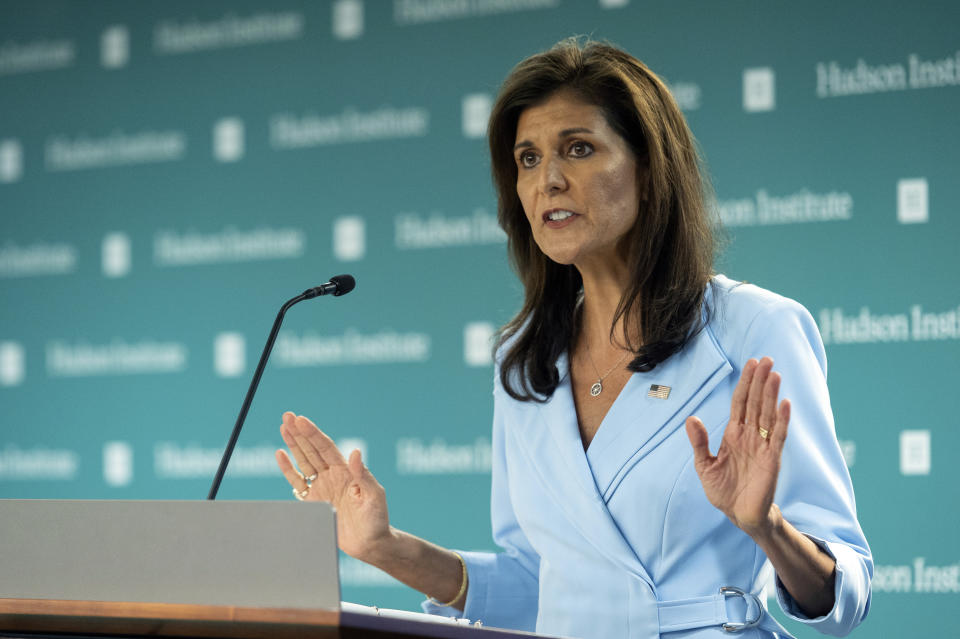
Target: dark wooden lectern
[78, 619]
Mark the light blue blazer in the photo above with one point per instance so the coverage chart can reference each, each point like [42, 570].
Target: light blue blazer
[620, 540]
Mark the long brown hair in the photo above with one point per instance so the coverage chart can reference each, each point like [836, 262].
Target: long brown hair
[669, 250]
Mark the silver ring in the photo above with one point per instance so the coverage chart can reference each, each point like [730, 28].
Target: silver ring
[312, 478]
[301, 494]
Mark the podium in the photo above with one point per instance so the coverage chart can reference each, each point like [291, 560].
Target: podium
[26, 618]
[216, 570]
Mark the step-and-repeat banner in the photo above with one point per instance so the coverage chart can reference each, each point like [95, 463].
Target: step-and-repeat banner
[172, 172]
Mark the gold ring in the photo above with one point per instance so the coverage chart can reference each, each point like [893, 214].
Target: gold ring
[763, 431]
[301, 494]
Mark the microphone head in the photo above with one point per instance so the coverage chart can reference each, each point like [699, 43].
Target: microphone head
[345, 284]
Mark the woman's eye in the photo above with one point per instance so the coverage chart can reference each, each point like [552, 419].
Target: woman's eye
[528, 159]
[580, 149]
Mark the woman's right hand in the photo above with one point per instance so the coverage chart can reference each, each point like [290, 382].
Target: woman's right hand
[359, 499]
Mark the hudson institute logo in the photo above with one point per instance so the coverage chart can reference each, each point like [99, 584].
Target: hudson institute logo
[349, 238]
[868, 327]
[438, 230]
[347, 19]
[912, 207]
[478, 343]
[11, 364]
[476, 114]
[689, 96]
[115, 255]
[38, 464]
[228, 140]
[229, 354]
[37, 55]
[288, 131]
[189, 248]
[350, 347]
[349, 444]
[73, 153]
[117, 463]
[117, 357]
[919, 577]
[800, 207]
[37, 259]
[915, 452]
[759, 90]
[863, 78]
[115, 47]
[172, 37]
[409, 12]
[438, 457]
[11, 161]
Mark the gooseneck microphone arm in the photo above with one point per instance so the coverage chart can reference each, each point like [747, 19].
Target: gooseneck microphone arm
[337, 286]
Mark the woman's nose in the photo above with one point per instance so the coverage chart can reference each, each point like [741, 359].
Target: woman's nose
[552, 179]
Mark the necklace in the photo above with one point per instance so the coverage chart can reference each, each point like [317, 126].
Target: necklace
[597, 387]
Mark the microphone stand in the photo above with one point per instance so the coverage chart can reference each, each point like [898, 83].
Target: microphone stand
[253, 389]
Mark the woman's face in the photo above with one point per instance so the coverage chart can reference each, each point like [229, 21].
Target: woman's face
[577, 181]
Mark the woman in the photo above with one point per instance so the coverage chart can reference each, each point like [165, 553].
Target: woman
[612, 522]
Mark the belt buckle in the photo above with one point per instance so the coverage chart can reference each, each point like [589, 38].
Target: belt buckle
[737, 626]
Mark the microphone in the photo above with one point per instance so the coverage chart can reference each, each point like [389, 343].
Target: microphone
[337, 286]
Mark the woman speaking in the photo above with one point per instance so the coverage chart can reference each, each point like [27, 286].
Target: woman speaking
[629, 363]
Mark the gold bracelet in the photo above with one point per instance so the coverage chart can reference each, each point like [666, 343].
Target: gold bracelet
[463, 584]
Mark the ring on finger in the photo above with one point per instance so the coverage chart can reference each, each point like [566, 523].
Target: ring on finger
[310, 479]
[763, 432]
[300, 495]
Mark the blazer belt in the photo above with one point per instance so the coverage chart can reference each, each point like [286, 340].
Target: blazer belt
[716, 610]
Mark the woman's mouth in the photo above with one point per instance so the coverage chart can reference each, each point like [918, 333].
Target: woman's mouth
[558, 218]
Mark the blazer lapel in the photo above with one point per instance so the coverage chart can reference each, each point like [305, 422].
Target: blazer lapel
[638, 421]
[550, 441]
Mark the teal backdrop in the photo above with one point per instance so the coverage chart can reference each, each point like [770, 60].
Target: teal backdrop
[172, 172]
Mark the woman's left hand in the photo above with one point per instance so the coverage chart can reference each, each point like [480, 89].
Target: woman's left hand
[742, 478]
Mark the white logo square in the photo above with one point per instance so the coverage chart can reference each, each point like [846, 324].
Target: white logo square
[349, 238]
[759, 91]
[687, 94]
[912, 201]
[115, 254]
[478, 343]
[11, 161]
[229, 354]
[915, 452]
[11, 363]
[476, 114]
[115, 47]
[347, 19]
[848, 448]
[117, 463]
[348, 444]
[228, 140]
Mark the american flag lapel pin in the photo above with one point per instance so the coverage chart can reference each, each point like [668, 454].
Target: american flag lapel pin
[658, 391]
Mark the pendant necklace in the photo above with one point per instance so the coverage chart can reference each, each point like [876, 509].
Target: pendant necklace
[597, 387]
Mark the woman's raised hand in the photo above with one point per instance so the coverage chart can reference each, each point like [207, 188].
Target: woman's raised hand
[742, 478]
[360, 501]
